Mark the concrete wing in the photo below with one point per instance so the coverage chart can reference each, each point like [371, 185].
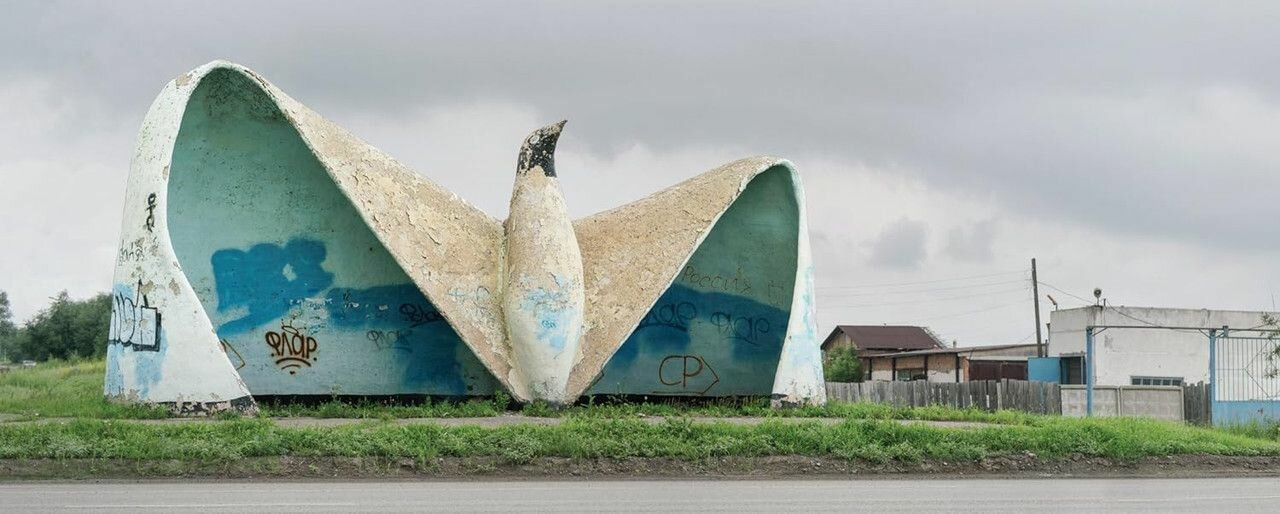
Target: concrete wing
[632, 254]
[450, 249]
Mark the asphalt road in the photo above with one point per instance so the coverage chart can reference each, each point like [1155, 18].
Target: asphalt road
[907, 495]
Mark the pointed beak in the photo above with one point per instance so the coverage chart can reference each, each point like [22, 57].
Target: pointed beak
[539, 150]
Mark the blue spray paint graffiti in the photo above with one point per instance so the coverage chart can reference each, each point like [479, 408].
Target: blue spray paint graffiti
[554, 311]
[267, 280]
[401, 318]
[271, 281]
[135, 325]
[694, 342]
[113, 383]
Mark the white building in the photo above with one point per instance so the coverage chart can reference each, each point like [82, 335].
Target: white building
[1140, 356]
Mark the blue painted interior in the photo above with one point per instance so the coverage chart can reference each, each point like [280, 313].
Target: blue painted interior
[305, 298]
[718, 330]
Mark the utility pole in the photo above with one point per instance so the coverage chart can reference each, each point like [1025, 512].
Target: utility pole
[1035, 295]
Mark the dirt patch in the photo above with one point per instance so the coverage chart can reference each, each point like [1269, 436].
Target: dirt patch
[454, 468]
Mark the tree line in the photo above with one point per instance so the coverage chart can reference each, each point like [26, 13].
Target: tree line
[67, 328]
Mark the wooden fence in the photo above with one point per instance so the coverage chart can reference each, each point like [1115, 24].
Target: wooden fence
[1196, 404]
[991, 395]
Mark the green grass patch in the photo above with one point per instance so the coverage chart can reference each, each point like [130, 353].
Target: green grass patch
[371, 409]
[677, 438]
[65, 389]
[759, 407]
[1262, 430]
[599, 429]
[74, 389]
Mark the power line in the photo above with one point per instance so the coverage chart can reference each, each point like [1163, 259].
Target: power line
[958, 314]
[896, 284]
[934, 300]
[928, 290]
[1118, 310]
[1060, 290]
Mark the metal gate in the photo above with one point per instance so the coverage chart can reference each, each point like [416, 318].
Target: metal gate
[1244, 376]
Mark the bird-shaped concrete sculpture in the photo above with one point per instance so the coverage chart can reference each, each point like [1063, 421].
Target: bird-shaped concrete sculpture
[268, 252]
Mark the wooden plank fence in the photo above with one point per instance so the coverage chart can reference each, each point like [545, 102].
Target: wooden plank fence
[1196, 404]
[990, 395]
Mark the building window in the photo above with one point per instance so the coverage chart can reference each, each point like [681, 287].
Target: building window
[909, 374]
[1073, 370]
[1157, 381]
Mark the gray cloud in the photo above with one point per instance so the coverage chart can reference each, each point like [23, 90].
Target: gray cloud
[901, 244]
[973, 243]
[1147, 123]
[1097, 113]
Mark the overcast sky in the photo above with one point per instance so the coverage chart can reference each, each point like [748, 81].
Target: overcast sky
[1130, 146]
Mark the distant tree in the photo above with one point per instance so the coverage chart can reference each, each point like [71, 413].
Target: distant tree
[65, 329]
[8, 331]
[842, 365]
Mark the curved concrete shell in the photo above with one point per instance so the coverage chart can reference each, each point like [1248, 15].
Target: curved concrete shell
[266, 251]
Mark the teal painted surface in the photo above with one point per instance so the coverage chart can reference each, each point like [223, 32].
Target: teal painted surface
[1044, 369]
[305, 298]
[718, 330]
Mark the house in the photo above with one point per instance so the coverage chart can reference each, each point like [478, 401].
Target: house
[959, 364]
[1174, 350]
[873, 340]
[1151, 346]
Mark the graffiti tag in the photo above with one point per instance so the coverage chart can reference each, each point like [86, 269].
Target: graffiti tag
[477, 301]
[291, 348]
[418, 315]
[131, 251]
[676, 370]
[394, 339]
[673, 315]
[151, 212]
[238, 360]
[134, 322]
[747, 329]
[738, 283]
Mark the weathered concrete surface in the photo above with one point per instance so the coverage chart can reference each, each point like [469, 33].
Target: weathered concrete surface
[303, 296]
[451, 250]
[634, 254]
[543, 304]
[543, 295]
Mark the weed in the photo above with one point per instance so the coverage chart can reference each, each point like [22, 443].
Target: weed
[680, 439]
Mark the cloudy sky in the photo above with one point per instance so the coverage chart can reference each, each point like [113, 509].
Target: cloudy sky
[1130, 146]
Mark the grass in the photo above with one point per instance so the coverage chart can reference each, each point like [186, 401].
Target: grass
[676, 438]
[868, 431]
[65, 389]
[1257, 429]
[74, 389]
[616, 430]
[756, 407]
